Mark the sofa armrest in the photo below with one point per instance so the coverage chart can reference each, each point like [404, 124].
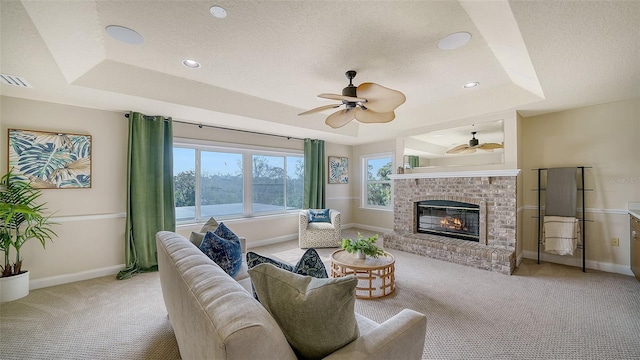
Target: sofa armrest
[401, 337]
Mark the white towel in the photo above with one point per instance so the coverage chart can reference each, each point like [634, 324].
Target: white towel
[560, 234]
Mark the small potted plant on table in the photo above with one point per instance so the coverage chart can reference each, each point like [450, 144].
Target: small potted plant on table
[363, 247]
[21, 219]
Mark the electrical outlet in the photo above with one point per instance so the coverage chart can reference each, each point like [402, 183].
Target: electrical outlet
[615, 241]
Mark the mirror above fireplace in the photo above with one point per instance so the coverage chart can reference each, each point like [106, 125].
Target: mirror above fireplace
[432, 147]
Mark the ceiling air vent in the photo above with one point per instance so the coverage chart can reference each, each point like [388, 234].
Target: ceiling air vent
[14, 80]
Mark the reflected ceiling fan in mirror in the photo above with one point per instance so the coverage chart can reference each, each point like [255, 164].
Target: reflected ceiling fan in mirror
[474, 144]
[367, 103]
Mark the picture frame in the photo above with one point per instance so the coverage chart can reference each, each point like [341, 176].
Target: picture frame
[50, 160]
[338, 170]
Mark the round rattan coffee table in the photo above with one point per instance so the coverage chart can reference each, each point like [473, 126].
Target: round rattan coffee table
[376, 277]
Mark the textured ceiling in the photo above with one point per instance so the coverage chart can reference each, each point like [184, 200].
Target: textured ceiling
[267, 60]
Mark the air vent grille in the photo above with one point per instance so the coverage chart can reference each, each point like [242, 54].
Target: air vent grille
[14, 80]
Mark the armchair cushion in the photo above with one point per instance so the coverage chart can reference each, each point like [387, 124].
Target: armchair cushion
[316, 315]
[319, 216]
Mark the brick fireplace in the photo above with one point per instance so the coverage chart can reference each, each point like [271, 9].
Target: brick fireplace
[493, 193]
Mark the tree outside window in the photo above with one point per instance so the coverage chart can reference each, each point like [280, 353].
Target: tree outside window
[212, 183]
[377, 186]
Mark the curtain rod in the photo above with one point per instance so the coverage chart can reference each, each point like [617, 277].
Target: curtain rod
[224, 128]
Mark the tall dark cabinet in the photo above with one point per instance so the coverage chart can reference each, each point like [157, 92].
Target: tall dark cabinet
[634, 238]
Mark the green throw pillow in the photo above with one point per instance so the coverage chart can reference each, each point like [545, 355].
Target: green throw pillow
[316, 315]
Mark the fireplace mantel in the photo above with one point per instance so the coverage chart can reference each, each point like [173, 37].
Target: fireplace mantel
[457, 174]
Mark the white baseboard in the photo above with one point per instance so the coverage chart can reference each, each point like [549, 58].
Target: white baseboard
[367, 227]
[272, 241]
[571, 261]
[69, 278]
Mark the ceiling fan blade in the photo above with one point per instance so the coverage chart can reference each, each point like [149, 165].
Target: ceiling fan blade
[458, 149]
[379, 98]
[340, 118]
[368, 116]
[321, 108]
[341, 97]
[490, 146]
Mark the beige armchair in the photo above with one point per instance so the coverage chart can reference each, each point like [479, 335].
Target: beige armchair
[319, 234]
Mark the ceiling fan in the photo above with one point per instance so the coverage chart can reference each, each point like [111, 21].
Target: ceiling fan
[367, 103]
[474, 144]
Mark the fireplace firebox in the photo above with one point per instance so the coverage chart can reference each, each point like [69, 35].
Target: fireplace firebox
[454, 219]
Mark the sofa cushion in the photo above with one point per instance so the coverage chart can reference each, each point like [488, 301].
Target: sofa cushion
[316, 315]
[319, 216]
[226, 253]
[196, 237]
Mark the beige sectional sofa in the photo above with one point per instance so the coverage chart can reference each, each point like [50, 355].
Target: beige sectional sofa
[214, 317]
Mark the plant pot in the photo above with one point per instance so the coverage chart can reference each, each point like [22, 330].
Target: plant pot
[360, 254]
[14, 287]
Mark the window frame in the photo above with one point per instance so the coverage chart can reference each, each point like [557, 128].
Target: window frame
[247, 152]
[364, 159]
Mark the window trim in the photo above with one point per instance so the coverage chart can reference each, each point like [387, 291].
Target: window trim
[247, 152]
[364, 180]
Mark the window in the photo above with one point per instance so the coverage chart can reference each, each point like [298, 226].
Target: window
[226, 182]
[377, 189]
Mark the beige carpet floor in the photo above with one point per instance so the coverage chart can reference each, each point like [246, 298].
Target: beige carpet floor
[544, 311]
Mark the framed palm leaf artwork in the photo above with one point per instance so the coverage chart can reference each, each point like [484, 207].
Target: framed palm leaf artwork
[338, 170]
[50, 160]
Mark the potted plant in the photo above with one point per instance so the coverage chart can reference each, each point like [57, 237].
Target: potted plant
[21, 219]
[363, 247]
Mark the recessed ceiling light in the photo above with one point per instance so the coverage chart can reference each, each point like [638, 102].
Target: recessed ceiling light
[191, 64]
[471, 85]
[124, 34]
[218, 12]
[454, 41]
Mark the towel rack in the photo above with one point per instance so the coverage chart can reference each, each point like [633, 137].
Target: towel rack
[582, 219]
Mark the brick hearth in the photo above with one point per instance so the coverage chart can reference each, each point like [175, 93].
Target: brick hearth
[496, 196]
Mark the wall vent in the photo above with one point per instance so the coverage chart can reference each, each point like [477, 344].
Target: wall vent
[14, 80]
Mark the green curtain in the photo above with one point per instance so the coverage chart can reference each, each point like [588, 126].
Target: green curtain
[314, 174]
[150, 198]
[414, 161]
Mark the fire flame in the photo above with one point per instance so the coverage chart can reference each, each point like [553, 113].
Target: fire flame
[450, 222]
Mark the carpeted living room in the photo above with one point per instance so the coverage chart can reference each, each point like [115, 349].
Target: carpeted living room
[188, 180]
[545, 311]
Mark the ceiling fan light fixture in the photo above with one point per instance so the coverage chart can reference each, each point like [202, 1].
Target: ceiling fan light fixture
[454, 41]
[380, 103]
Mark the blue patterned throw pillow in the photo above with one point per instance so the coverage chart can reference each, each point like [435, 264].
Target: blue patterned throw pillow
[319, 215]
[226, 253]
[310, 264]
[224, 232]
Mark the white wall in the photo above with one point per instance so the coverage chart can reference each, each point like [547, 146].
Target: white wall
[604, 137]
[90, 239]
